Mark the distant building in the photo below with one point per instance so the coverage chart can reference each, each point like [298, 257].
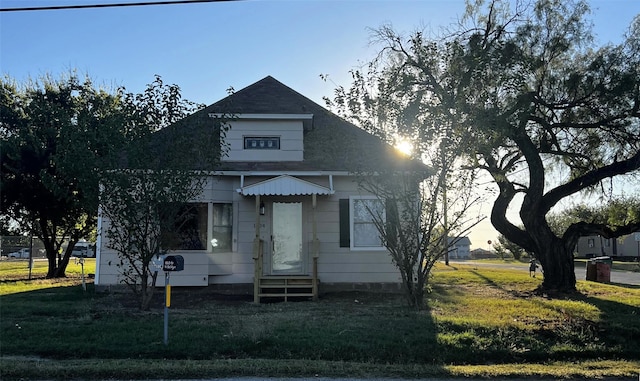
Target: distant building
[482, 254]
[461, 248]
[597, 246]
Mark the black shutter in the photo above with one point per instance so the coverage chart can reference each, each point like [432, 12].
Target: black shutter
[344, 222]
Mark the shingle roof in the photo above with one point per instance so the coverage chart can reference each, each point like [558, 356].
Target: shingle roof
[330, 142]
[267, 96]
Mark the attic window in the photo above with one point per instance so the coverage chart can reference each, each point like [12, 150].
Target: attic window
[261, 142]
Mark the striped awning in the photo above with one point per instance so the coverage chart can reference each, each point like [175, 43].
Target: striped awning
[284, 185]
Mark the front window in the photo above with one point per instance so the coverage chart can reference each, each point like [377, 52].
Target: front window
[189, 228]
[222, 227]
[364, 234]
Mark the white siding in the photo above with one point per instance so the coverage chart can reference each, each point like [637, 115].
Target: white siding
[340, 264]
[198, 264]
[335, 264]
[290, 133]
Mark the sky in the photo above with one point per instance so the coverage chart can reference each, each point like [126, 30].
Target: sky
[205, 48]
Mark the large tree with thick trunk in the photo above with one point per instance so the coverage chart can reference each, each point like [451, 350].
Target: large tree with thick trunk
[548, 115]
[54, 134]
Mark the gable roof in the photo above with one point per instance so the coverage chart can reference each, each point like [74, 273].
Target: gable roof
[330, 142]
[460, 240]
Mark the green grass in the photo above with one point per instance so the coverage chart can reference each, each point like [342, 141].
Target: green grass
[14, 275]
[480, 322]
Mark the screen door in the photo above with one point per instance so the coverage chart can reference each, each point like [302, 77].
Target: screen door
[286, 257]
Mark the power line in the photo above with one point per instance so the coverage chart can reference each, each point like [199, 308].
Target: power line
[112, 5]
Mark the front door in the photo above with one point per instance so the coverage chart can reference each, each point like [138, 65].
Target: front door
[286, 257]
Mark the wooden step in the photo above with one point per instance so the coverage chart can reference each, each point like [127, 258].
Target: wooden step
[286, 277]
[307, 294]
[286, 287]
[286, 280]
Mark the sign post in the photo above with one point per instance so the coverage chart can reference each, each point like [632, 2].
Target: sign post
[171, 263]
[84, 283]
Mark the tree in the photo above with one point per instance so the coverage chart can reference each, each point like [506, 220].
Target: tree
[616, 212]
[425, 211]
[54, 134]
[548, 115]
[410, 221]
[504, 248]
[141, 207]
[144, 197]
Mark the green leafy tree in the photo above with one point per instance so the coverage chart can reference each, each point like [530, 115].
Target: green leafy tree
[54, 134]
[614, 213]
[422, 208]
[410, 222]
[505, 248]
[163, 167]
[546, 114]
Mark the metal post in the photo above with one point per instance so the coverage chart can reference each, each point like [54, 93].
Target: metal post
[30, 256]
[84, 283]
[167, 289]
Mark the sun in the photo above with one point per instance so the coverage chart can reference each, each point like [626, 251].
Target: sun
[404, 146]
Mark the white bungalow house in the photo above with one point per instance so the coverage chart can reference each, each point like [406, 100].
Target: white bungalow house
[459, 247]
[283, 214]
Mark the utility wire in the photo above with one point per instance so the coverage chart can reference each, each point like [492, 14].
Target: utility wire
[111, 5]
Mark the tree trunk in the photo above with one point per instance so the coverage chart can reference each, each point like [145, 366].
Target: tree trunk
[57, 264]
[61, 270]
[52, 268]
[148, 290]
[555, 254]
[558, 268]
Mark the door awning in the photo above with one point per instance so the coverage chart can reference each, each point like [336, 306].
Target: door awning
[284, 185]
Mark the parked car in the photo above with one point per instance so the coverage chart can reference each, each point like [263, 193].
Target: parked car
[22, 253]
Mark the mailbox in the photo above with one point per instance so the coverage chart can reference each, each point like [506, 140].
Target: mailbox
[173, 263]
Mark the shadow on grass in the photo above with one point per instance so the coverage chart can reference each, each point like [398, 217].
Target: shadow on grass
[350, 327]
[353, 327]
[615, 334]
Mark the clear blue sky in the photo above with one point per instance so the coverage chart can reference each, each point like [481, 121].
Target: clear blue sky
[205, 48]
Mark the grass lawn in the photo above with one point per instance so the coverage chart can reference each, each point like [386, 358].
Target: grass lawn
[480, 322]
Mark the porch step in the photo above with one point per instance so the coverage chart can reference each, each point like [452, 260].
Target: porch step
[286, 287]
[309, 295]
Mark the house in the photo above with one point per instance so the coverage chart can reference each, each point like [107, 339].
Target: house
[482, 254]
[627, 246]
[283, 214]
[459, 247]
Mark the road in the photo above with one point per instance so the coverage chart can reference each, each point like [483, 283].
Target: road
[388, 379]
[617, 276]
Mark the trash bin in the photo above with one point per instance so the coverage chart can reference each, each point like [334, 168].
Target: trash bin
[599, 269]
[591, 271]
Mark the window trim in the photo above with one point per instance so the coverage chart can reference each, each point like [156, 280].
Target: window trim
[352, 246]
[276, 139]
[210, 227]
